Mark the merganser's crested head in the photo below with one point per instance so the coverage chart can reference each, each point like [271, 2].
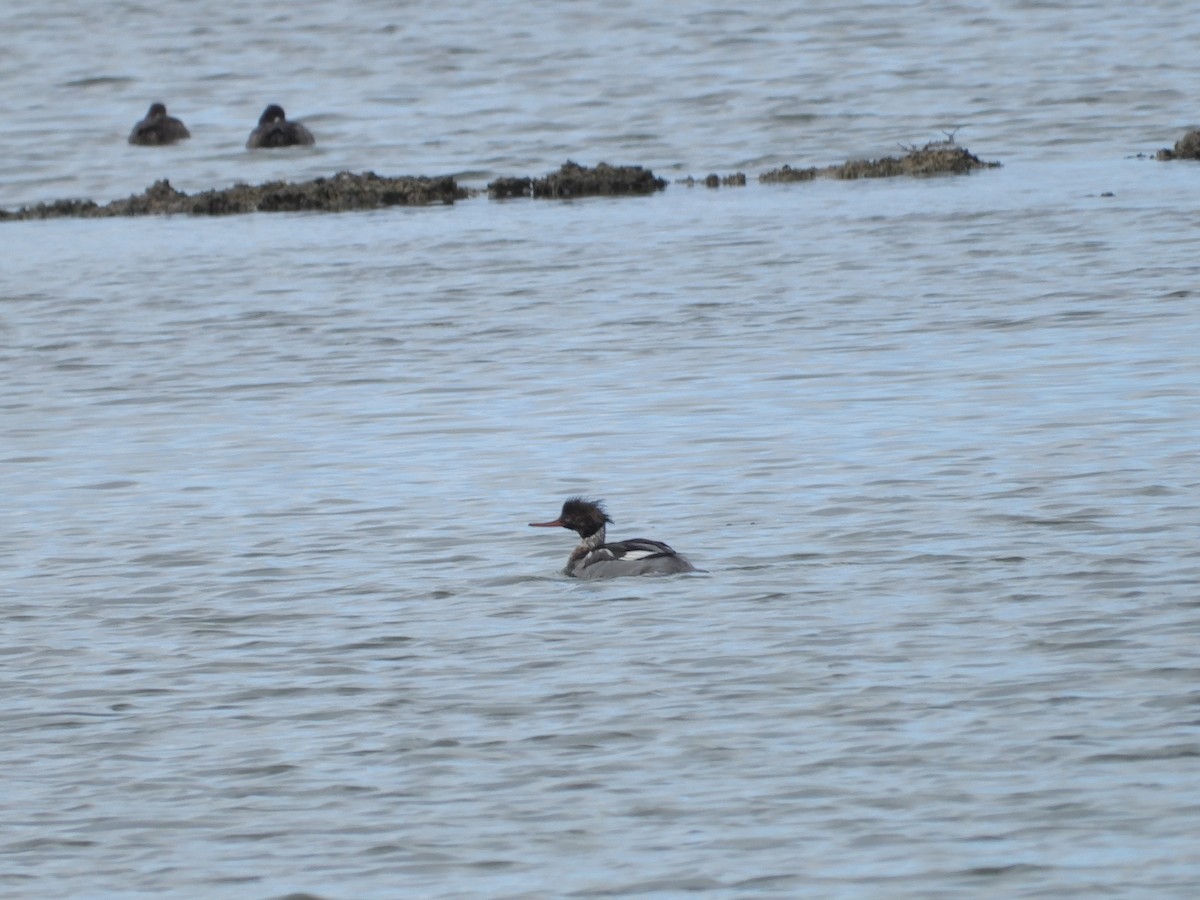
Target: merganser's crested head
[582, 516]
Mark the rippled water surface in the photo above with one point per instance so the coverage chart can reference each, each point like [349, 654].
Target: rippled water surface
[273, 621]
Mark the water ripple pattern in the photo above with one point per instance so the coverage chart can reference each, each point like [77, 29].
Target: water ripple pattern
[273, 622]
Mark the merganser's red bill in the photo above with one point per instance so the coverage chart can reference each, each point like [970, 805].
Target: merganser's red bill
[557, 523]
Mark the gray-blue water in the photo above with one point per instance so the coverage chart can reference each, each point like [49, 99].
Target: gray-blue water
[273, 621]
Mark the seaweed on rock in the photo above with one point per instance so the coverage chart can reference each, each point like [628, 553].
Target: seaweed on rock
[1187, 147]
[574, 180]
[344, 191]
[937, 158]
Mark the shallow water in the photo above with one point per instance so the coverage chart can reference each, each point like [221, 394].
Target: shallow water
[273, 618]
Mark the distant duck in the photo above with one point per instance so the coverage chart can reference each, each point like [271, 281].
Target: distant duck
[593, 558]
[274, 130]
[158, 128]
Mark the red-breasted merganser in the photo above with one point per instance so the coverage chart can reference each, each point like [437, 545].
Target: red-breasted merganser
[158, 128]
[274, 130]
[594, 558]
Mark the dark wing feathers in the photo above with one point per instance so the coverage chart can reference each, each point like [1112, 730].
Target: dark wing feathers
[637, 548]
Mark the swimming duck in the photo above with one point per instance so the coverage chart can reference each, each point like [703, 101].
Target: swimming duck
[158, 128]
[593, 558]
[274, 130]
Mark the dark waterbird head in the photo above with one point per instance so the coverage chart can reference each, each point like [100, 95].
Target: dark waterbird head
[272, 113]
[585, 517]
[156, 110]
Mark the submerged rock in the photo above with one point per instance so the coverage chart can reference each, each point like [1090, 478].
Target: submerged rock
[1187, 147]
[503, 188]
[786, 173]
[938, 158]
[574, 180]
[737, 179]
[344, 191]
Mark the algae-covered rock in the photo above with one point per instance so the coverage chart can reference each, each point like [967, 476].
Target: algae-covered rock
[786, 173]
[344, 191]
[502, 188]
[1187, 147]
[574, 180]
[938, 158]
[713, 180]
[58, 209]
